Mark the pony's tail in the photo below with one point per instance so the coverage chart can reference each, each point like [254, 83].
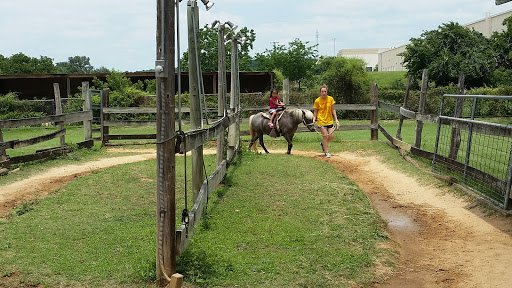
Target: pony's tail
[252, 132]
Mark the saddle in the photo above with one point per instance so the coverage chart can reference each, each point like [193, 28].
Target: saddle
[274, 132]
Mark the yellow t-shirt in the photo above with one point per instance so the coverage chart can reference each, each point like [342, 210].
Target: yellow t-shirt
[324, 107]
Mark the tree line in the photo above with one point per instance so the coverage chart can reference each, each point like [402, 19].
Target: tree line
[22, 64]
[445, 52]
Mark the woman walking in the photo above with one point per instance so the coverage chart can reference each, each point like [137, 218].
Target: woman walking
[324, 113]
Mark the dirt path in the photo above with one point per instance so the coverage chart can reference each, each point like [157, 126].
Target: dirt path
[443, 240]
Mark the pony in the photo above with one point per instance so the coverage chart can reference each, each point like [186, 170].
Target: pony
[288, 123]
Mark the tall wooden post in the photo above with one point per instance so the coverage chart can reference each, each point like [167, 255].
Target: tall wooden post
[3, 154]
[455, 139]
[421, 109]
[221, 92]
[105, 102]
[166, 158]
[286, 91]
[406, 97]
[58, 111]
[195, 102]
[232, 135]
[86, 95]
[374, 114]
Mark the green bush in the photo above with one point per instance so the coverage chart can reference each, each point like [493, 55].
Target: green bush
[12, 108]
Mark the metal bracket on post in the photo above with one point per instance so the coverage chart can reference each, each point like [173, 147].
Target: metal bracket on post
[161, 70]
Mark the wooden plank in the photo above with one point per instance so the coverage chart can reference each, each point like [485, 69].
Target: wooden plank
[129, 123]
[129, 110]
[5, 164]
[184, 233]
[130, 137]
[427, 118]
[407, 113]
[39, 155]
[86, 144]
[36, 140]
[197, 138]
[152, 110]
[422, 153]
[389, 107]
[67, 118]
[386, 133]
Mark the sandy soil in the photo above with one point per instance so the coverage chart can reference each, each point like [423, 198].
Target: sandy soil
[442, 240]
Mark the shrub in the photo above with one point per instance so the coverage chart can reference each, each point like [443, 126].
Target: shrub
[12, 108]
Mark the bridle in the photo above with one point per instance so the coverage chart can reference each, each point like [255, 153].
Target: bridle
[315, 125]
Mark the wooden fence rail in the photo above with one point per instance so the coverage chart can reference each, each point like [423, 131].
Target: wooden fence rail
[59, 119]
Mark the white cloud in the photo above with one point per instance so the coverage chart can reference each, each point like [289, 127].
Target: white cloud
[121, 34]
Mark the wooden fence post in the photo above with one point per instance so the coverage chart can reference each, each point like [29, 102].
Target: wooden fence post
[86, 95]
[194, 89]
[3, 154]
[222, 91]
[105, 102]
[286, 91]
[406, 97]
[421, 109]
[232, 134]
[374, 114]
[165, 142]
[455, 139]
[58, 111]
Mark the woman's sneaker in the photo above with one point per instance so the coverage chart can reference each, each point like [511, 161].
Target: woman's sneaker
[270, 125]
[327, 155]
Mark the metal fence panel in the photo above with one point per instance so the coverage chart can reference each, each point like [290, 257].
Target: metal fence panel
[477, 153]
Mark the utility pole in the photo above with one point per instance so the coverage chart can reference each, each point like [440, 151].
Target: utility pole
[166, 158]
[195, 101]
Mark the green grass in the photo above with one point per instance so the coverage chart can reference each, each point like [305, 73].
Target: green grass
[388, 79]
[286, 228]
[278, 221]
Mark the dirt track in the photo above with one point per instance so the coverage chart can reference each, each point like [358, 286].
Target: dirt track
[443, 240]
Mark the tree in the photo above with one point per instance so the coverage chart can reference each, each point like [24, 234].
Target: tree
[347, 79]
[447, 51]
[501, 43]
[22, 64]
[296, 61]
[75, 65]
[3, 62]
[209, 49]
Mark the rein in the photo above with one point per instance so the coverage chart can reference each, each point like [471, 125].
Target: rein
[317, 130]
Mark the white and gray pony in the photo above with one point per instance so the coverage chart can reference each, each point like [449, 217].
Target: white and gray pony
[288, 123]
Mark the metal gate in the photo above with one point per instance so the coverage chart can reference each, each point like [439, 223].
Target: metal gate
[477, 153]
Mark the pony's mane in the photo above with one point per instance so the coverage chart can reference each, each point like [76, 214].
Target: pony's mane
[297, 114]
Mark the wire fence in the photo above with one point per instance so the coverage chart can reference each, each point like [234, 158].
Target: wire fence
[476, 153]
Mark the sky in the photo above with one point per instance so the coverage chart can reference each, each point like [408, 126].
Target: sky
[120, 34]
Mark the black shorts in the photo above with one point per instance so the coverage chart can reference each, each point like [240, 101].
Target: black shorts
[326, 126]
